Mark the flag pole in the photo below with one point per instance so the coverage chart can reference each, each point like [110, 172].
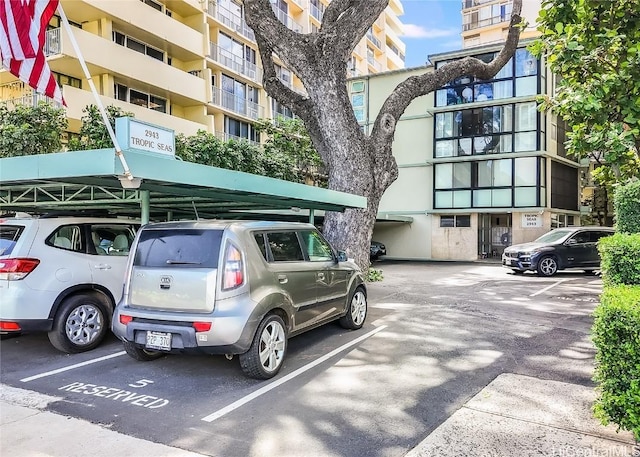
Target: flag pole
[103, 112]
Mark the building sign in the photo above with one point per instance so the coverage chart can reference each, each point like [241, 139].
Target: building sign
[531, 220]
[134, 134]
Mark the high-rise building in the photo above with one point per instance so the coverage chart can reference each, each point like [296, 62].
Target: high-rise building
[479, 166]
[186, 64]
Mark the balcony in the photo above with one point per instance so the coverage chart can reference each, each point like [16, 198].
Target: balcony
[235, 63]
[300, 5]
[237, 105]
[316, 12]
[104, 56]
[52, 43]
[487, 15]
[230, 19]
[224, 136]
[286, 19]
[376, 42]
[377, 66]
[32, 99]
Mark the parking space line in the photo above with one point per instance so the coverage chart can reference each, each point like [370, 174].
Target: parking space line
[548, 287]
[72, 367]
[235, 405]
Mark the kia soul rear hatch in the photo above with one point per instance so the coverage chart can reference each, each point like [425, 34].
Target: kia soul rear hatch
[176, 270]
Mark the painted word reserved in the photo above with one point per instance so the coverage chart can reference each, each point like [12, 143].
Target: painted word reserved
[115, 394]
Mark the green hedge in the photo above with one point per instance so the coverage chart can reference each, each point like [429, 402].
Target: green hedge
[620, 259]
[616, 335]
[627, 208]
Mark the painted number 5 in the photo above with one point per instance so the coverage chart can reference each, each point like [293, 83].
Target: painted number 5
[141, 383]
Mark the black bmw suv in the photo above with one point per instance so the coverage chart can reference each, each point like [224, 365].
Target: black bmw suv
[568, 247]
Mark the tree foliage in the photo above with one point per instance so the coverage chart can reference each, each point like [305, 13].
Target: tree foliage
[275, 161]
[593, 46]
[28, 130]
[290, 137]
[93, 133]
[357, 162]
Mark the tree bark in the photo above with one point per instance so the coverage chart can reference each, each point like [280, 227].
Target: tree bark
[356, 163]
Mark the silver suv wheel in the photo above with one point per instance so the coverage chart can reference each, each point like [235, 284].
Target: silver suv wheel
[84, 324]
[264, 359]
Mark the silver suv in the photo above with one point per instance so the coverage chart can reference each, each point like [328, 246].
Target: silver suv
[62, 275]
[234, 287]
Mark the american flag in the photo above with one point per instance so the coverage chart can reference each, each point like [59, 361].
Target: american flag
[23, 26]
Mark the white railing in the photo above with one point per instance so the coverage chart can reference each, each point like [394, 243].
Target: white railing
[374, 40]
[374, 63]
[316, 12]
[236, 63]
[30, 100]
[237, 104]
[286, 19]
[230, 19]
[53, 42]
[224, 136]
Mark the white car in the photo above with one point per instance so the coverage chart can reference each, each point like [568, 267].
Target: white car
[62, 275]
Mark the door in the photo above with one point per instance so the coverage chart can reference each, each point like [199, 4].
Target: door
[108, 245]
[294, 275]
[331, 279]
[578, 249]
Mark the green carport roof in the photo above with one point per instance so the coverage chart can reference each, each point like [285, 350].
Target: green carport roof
[91, 179]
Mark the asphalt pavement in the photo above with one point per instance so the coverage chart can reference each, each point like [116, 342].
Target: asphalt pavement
[529, 409]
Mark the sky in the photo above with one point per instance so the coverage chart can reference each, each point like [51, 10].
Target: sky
[431, 27]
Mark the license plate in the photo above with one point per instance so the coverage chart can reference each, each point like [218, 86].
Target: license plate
[158, 340]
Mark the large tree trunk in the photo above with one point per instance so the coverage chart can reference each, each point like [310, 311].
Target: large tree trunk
[357, 163]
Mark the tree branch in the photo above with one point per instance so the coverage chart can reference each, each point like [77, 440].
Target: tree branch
[416, 86]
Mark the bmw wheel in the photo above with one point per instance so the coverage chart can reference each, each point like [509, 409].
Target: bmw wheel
[547, 266]
[264, 358]
[80, 324]
[357, 312]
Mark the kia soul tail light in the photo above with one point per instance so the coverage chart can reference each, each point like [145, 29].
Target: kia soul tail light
[233, 269]
[16, 269]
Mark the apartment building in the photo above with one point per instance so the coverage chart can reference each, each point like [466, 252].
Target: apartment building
[480, 167]
[186, 64]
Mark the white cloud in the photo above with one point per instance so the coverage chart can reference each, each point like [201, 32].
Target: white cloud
[418, 31]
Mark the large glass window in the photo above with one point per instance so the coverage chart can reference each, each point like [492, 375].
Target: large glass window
[487, 130]
[515, 182]
[136, 45]
[518, 77]
[140, 98]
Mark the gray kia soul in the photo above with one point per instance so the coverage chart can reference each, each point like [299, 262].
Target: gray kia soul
[234, 287]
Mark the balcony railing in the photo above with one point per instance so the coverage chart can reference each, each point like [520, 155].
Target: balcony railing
[301, 3]
[33, 100]
[53, 42]
[486, 22]
[316, 12]
[286, 19]
[237, 104]
[236, 63]
[374, 40]
[224, 136]
[230, 19]
[374, 63]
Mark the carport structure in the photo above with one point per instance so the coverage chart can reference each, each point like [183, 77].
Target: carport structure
[162, 188]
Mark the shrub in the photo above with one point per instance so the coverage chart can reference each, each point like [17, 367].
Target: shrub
[374, 275]
[620, 258]
[616, 335]
[627, 208]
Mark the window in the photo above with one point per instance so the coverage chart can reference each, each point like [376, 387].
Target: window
[139, 98]
[455, 221]
[318, 250]
[518, 77]
[487, 130]
[136, 45]
[64, 80]
[239, 129]
[284, 247]
[111, 239]
[153, 4]
[67, 237]
[187, 248]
